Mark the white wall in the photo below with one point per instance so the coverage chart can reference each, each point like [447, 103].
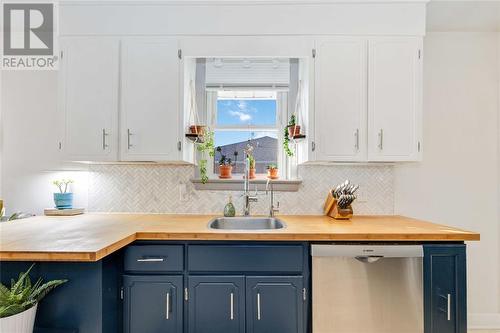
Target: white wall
[30, 137]
[457, 182]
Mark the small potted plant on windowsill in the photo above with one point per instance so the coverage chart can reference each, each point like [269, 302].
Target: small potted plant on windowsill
[63, 199]
[18, 304]
[206, 149]
[272, 171]
[251, 170]
[225, 167]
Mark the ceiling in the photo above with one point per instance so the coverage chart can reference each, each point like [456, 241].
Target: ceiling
[474, 16]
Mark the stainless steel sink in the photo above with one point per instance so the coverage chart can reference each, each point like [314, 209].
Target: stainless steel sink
[246, 223]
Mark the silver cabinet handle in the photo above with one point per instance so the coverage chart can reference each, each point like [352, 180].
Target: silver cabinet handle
[356, 134]
[232, 306]
[381, 139]
[167, 314]
[129, 134]
[258, 306]
[151, 260]
[104, 135]
[448, 311]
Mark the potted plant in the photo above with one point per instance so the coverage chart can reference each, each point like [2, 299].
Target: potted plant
[197, 129]
[293, 128]
[225, 167]
[18, 304]
[63, 199]
[251, 161]
[272, 171]
[206, 147]
[251, 170]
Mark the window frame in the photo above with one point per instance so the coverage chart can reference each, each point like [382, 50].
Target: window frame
[281, 121]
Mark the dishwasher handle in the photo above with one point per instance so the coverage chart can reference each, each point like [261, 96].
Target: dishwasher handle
[367, 252]
[368, 259]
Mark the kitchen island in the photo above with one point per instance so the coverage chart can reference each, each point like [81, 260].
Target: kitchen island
[123, 269]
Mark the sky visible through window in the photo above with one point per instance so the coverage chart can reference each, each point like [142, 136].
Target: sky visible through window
[243, 113]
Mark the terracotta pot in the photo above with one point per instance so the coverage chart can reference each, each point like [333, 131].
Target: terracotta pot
[294, 130]
[225, 171]
[252, 173]
[197, 129]
[272, 173]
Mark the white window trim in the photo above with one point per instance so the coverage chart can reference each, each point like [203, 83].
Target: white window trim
[281, 122]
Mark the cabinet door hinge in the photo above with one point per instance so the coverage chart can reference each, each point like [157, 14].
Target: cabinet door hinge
[314, 53]
[186, 294]
[179, 145]
[304, 294]
[62, 54]
[121, 293]
[60, 145]
[179, 53]
[313, 146]
[418, 146]
[419, 54]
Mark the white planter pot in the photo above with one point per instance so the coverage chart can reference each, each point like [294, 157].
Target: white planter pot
[20, 323]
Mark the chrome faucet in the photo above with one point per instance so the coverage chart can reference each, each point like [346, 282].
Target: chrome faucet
[246, 189]
[272, 208]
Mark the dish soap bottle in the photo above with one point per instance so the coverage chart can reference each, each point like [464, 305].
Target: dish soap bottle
[229, 210]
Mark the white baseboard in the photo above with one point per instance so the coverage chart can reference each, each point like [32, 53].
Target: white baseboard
[483, 321]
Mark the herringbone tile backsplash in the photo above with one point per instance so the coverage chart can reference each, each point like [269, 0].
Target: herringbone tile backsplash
[167, 189]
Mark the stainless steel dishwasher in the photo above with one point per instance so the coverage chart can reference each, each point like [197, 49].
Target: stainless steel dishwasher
[367, 288]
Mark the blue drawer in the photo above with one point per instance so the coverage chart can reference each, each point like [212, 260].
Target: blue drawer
[154, 258]
[246, 258]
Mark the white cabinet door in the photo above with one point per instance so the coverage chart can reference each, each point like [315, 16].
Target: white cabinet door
[394, 98]
[89, 98]
[150, 111]
[340, 99]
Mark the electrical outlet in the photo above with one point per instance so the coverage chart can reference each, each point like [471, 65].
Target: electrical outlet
[362, 196]
[183, 193]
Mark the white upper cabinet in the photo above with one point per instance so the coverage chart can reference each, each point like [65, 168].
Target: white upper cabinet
[89, 98]
[150, 110]
[394, 98]
[368, 99]
[340, 99]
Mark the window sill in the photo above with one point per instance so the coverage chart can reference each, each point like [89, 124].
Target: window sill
[280, 185]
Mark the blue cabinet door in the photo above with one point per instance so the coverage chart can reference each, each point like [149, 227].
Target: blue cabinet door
[445, 299]
[275, 304]
[152, 304]
[216, 304]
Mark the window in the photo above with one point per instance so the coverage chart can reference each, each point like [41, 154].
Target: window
[241, 117]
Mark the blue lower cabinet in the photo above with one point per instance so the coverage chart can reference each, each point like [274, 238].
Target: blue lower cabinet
[152, 304]
[216, 304]
[445, 300]
[275, 304]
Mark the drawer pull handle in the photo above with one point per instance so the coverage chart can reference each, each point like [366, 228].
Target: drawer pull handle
[151, 260]
[258, 306]
[232, 306]
[448, 311]
[167, 316]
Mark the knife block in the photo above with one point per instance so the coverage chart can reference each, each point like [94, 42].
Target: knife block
[332, 209]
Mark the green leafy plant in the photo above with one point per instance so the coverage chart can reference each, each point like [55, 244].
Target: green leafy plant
[224, 160]
[272, 167]
[286, 137]
[22, 294]
[251, 160]
[63, 184]
[206, 147]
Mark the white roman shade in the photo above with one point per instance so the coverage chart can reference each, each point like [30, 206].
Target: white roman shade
[247, 72]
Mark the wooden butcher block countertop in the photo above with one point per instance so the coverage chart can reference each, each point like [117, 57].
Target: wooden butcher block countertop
[90, 237]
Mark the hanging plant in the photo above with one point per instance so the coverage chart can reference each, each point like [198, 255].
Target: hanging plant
[286, 136]
[206, 147]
